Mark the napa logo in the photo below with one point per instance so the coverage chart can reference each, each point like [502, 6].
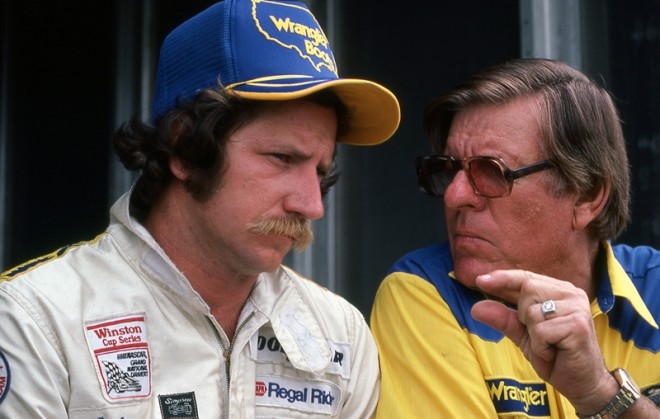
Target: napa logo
[510, 396]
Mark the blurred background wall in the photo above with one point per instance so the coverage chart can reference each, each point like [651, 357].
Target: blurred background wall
[72, 72]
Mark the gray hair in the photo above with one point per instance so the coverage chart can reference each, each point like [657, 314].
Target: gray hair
[580, 128]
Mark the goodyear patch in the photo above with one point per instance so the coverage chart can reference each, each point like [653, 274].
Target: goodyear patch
[510, 396]
[310, 396]
[269, 351]
[5, 377]
[121, 353]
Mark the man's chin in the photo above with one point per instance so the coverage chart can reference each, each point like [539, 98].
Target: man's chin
[467, 270]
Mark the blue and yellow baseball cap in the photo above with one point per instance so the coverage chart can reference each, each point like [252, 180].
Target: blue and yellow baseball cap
[267, 50]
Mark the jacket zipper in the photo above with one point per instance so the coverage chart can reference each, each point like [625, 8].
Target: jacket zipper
[226, 353]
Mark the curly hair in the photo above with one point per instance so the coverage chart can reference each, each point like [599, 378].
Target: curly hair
[196, 133]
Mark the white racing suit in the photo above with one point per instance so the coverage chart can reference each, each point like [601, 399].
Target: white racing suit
[111, 329]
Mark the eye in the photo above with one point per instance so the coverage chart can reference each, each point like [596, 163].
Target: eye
[285, 158]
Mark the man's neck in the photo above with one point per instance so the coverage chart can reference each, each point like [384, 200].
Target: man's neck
[225, 297]
[224, 290]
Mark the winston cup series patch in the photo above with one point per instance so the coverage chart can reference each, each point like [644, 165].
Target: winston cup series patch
[121, 354]
[5, 377]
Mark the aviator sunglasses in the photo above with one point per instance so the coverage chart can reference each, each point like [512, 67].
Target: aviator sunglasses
[490, 177]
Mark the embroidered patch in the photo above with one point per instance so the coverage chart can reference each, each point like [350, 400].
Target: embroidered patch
[180, 406]
[312, 396]
[269, 350]
[511, 397]
[121, 353]
[5, 377]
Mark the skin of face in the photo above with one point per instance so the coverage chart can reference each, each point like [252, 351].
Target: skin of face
[530, 229]
[275, 165]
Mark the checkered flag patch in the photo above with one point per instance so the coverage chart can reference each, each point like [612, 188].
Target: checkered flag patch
[112, 371]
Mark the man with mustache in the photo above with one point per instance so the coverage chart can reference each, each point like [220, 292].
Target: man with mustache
[182, 307]
[528, 311]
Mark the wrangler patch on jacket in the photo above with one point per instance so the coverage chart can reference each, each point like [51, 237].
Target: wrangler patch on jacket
[511, 396]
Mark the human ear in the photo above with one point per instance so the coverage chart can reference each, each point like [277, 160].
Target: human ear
[590, 204]
[178, 169]
[177, 129]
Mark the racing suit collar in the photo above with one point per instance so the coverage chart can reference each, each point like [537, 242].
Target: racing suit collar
[275, 294]
[147, 256]
[292, 320]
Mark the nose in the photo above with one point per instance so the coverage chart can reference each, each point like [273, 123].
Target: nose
[305, 197]
[460, 193]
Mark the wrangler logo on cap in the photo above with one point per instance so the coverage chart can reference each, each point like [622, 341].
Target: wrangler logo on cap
[305, 37]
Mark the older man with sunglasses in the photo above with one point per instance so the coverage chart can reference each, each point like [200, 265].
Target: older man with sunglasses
[528, 310]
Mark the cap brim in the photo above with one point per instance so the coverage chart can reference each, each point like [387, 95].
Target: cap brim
[374, 112]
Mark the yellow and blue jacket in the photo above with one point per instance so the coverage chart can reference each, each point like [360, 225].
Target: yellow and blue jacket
[437, 361]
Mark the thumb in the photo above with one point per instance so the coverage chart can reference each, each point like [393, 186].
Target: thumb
[500, 317]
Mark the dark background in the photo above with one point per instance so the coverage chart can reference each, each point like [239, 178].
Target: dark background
[59, 87]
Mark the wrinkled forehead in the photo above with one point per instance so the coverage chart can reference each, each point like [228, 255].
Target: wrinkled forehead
[498, 130]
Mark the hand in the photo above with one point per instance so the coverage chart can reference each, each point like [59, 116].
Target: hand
[562, 347]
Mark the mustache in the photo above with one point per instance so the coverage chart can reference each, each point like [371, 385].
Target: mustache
[299, 229]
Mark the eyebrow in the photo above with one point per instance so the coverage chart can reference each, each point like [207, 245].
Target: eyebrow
[297, 153]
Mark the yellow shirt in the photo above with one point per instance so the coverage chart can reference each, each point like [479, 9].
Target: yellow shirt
[437, 362]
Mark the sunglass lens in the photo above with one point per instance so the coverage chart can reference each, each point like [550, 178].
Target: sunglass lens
[488, 177]
[434, 174]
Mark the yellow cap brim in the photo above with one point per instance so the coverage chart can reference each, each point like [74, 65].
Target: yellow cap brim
[374, 112]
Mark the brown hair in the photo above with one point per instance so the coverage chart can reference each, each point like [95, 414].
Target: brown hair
[196, 132]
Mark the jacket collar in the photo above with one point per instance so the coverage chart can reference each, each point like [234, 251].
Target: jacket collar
[276, 295]
[616, 283]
